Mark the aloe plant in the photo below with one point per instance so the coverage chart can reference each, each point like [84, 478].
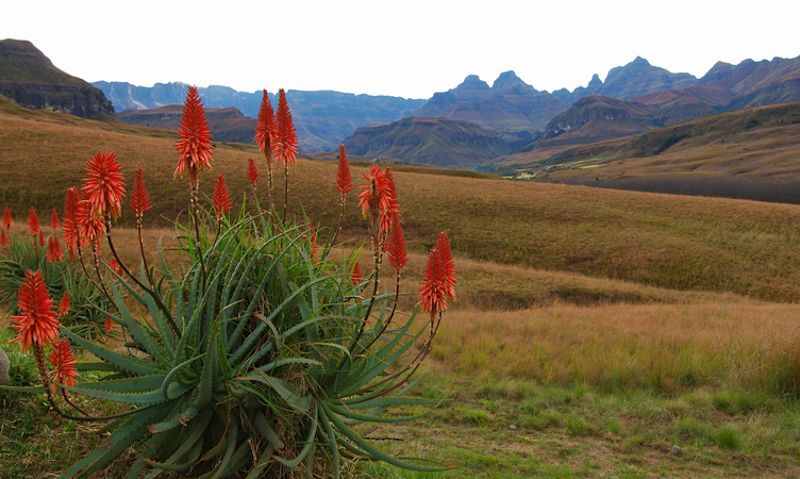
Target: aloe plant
[250, 367]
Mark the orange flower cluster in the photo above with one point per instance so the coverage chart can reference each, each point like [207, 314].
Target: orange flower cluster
[37, 323]
[438, 283]
[221, 198]
[195, 146]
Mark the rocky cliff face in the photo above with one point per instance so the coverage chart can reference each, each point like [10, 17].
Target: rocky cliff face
[29, 78]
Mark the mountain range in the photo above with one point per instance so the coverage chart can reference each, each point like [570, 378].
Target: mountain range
[473, 125]
[323, 118]
[633, 99]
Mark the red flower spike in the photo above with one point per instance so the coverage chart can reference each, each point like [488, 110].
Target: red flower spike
[7, 219]
[108, 325]
[344, 183]
[446, 258]
[356, 277]
[252, 172]
[3, 238]
[54, 253]
[313, 240]
[377, 198]
[90, 224]
[221, 199]
[70, 228]
[265, 129]
[63, 306]
[396, 247]
[115, 266]
[391, 191]
[37, 323]
[33, 222]
[63, 360]
[433, 292]
[54, 219]
[195, 146]
[104, 185]
[140, 200]
[285, 145]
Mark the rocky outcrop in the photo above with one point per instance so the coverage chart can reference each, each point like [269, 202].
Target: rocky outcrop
[29, 78]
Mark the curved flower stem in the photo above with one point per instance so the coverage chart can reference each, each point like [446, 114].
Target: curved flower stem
[194, 206]
[391, 315]
[268, 158]
[151, 292]
[285, 189]
[39, 357]
[413, 365]
[342, 204]
[150, 278]
[69, 401]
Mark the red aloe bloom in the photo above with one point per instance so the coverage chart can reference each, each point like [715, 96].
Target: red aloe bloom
[108, 325]
[313, 240]
[54, 219]
[377, 198]
[7, 219]
[394, 202]
[252, 172]
[285, 145]
[115, 266]
[439, 280]
[344, 183]
[54, 253]
[104, 185]
[356, 277]
[63, 306]
[446, 257]
[195, 146]
[33, 222]
[64, 363]
[221, 199]
[3, 238]
[396, 246]
[90, 224]
[37, 323]
[140, 200]
[70, 229]
[265, 129]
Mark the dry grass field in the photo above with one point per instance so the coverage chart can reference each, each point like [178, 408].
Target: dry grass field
[597, 333]
[682, 243]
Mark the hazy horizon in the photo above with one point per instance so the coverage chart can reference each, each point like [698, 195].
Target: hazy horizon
[412, 51]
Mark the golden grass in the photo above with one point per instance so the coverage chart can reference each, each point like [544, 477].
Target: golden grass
[666, 347]
[668, 241]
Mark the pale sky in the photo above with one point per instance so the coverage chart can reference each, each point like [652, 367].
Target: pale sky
[408, 48]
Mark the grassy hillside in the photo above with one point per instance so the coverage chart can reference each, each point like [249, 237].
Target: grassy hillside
[667, 241]
[743, 154]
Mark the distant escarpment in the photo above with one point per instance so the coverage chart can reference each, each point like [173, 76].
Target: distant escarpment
[227, 124]
[29, 78]
[434, 141]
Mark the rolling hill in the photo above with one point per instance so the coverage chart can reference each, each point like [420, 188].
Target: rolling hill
[750, 153]
[28, 77]
[434, 141]
[670, 241]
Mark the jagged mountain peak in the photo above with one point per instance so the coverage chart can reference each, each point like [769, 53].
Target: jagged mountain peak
[473, 82]
[509, 81]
